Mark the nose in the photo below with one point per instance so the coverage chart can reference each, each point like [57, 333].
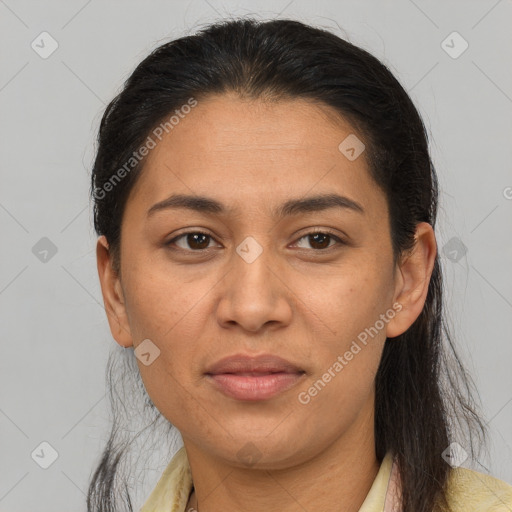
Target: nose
[253, 294]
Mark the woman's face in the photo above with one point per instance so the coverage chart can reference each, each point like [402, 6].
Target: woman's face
[255, 284]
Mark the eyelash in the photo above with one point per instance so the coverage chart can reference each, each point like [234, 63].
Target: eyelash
[319, 231]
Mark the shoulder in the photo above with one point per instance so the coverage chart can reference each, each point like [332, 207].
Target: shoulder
[469, 490]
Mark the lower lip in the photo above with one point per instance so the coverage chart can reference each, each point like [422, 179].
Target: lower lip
[254, 387]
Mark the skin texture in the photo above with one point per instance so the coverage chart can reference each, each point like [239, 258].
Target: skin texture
[296, 300]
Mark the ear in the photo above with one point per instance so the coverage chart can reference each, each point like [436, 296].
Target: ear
[412, 280]
[112, 295]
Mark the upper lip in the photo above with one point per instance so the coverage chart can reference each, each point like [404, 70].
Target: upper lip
[242, 363]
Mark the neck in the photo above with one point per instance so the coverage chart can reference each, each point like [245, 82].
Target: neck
[338, 478]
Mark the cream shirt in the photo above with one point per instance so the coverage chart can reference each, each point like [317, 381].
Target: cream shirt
[468, 490]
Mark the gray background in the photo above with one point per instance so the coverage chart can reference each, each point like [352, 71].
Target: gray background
[55, 337]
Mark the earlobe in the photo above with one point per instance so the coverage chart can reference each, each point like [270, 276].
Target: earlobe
[112, 293]
[413, 279]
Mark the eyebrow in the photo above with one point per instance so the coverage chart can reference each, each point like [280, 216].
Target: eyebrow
[204, 204]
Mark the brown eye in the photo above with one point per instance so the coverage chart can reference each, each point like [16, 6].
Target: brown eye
[194, 240]
[320, 240]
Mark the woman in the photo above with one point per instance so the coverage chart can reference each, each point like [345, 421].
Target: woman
[266, 205]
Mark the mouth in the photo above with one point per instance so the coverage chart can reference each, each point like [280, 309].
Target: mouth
[243, 377]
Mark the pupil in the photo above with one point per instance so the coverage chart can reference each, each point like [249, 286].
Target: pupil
[193, 239]
[316, 236]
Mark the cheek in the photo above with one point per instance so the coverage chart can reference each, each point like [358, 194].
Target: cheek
[346, 360]
[352, 301]
[347, 354]
[162, 306]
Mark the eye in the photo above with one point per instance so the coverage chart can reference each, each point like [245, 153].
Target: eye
[319, 240]
[196, 240]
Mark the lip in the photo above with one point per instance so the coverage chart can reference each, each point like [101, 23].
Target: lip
[245, 377]
[264, 363]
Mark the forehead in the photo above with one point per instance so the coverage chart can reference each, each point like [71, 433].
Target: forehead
[228, 123]
[247, 151]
